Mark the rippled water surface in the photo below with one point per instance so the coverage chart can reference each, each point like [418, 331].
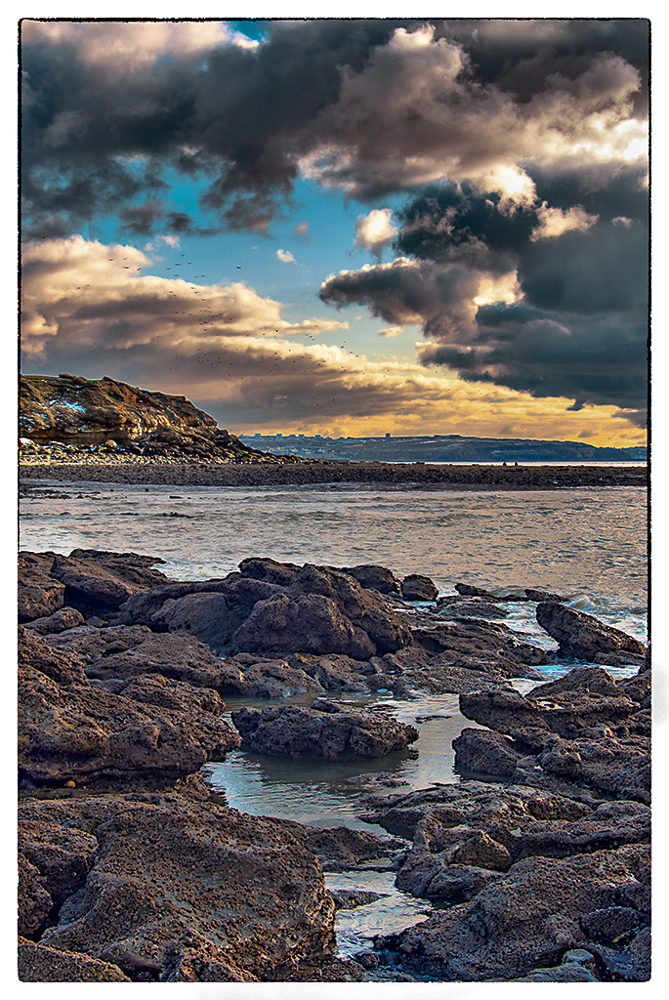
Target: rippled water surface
[583, 542]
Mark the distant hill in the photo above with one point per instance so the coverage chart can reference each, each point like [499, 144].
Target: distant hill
[111, 417]
[441, 448]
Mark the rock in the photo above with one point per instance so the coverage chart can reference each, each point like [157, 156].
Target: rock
[334, 672]
[269, 571]
[490, 647]
[38, 963]
[543, 595]
[567, 707]
[34, 902]
[106, 415]
[207, 616]
[613, 923]
[524, 919]
[569, 972]
[39, 595]
[340, 848]
[98, 582]
[367, 610]
[59, 621]
[475, 607]
[326, 730]
[77, 732]
[373, 577]
[63, 667]
[118, 653]
[418, 588]
[427, 877]
[350, 899]
[585, 637]
[163, 898]
[310, 624]
[467, 590]
[479, 751]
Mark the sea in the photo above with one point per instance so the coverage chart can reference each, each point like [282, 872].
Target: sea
[588, 545]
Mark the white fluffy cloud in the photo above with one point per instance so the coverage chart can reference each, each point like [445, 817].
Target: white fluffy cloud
[374, 231]
[286, 256]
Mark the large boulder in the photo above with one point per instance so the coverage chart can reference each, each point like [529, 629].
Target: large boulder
[207, 616]
[98, 582]
[185, 889]
[528, 917]
[373, 577]
[76, 732]
[308, 623]
[584, 637]
[367, 610]
[326, 730]
[419, 588]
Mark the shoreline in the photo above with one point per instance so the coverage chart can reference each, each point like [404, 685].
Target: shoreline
[460, 477]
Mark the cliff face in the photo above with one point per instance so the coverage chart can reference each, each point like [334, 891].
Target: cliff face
[110, 415]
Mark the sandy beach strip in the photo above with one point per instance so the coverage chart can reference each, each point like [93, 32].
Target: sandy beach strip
[494, 477]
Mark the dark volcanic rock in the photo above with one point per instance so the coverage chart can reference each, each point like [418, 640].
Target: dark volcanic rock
[269, 571]
[59, 621]
[480, 751]
[583, 636]
[98, 582]
[185, 889]
[40, 964]
[207, 616]
[581, 729]
[323, 611]
[489, 647]
[77, 732]
[373, 577]
[326, 730]
[526, 918]
[39, 594]
[64, 667]
[308, 623]
[419, 588]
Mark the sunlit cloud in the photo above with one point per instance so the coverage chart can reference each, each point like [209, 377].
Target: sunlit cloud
[374, 231]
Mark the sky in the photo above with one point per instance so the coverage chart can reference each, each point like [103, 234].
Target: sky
[345, 227]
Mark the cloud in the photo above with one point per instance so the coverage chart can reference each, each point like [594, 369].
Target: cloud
[89, 308]
[374, 231]
[112, 112]
[286, 256]
[554, 222]
[546, 299]
[80, 295]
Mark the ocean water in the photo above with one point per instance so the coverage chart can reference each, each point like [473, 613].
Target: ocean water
[588, 545]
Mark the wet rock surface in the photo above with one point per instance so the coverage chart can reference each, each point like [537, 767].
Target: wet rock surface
[582, 636]
[327, 730]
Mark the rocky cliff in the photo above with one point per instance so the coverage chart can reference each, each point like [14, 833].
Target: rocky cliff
[110, 416]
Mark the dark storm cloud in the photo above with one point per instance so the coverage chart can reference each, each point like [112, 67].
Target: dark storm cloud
[93, 134]
[357, 104]
[518, 56]
[579, 328]
[410, 292]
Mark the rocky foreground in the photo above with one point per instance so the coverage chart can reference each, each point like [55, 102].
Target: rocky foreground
[130, 870]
